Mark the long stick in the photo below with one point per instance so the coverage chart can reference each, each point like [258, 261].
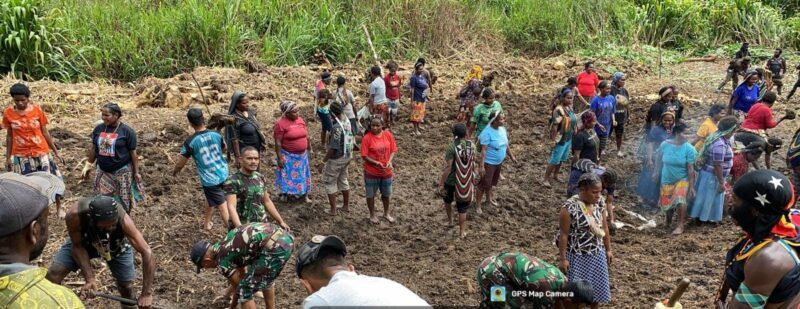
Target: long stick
[122, 300]
[369, 41]
[201, 94]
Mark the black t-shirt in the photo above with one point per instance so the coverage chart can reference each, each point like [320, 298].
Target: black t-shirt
[246, 131]
[586, 143]
[113, 146]
[659, 108]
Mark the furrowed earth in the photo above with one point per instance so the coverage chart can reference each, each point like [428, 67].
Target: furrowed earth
[420, 251]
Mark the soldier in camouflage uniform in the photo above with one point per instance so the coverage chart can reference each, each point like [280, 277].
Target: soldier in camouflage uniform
[515, 271]
[247, 190]
[260, 248]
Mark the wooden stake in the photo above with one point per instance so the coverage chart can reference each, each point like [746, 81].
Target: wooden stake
[371, 47]
[201, 95]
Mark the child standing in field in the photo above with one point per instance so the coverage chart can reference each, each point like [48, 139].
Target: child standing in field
[393, 82]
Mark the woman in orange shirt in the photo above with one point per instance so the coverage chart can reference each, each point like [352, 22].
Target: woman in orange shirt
[28, 143]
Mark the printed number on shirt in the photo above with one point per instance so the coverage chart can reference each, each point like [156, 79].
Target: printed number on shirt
[210, 154]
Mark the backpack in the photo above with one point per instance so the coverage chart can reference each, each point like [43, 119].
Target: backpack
[465, 171]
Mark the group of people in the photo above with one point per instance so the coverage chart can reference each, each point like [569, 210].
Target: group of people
[681, 173]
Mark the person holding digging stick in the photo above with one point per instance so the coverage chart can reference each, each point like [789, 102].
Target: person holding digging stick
[98, 227]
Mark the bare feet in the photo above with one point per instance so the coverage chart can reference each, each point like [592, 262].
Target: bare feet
[389, 218]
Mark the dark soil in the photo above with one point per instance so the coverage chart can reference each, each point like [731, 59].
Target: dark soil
[420, 251]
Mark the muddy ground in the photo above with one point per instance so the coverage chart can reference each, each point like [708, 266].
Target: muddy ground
[420, 251]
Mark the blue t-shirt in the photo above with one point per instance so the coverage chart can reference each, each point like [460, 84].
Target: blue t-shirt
[604, 109]
[418, 83]
[496, 141]
[206, 149]
[674, 159]
[745, 97]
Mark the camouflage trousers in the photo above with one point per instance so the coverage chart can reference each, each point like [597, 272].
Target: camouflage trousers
[266, 267]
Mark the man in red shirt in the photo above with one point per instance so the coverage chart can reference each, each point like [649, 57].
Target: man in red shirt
[760, 117]
[393, 82]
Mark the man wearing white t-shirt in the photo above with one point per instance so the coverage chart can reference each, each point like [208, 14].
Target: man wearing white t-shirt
[332, 282]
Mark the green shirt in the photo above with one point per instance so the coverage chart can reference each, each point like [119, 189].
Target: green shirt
[520, 272]
[480, 115]
[249, 191]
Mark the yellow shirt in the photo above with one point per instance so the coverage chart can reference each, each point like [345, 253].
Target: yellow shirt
[29, 289]
[706, 128]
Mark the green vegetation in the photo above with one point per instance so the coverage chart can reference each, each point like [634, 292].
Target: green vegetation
[128, 39]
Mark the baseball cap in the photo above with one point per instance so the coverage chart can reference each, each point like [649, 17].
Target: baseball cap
[22, 199]
[198, 251]
[309, 252]
[52, 186]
